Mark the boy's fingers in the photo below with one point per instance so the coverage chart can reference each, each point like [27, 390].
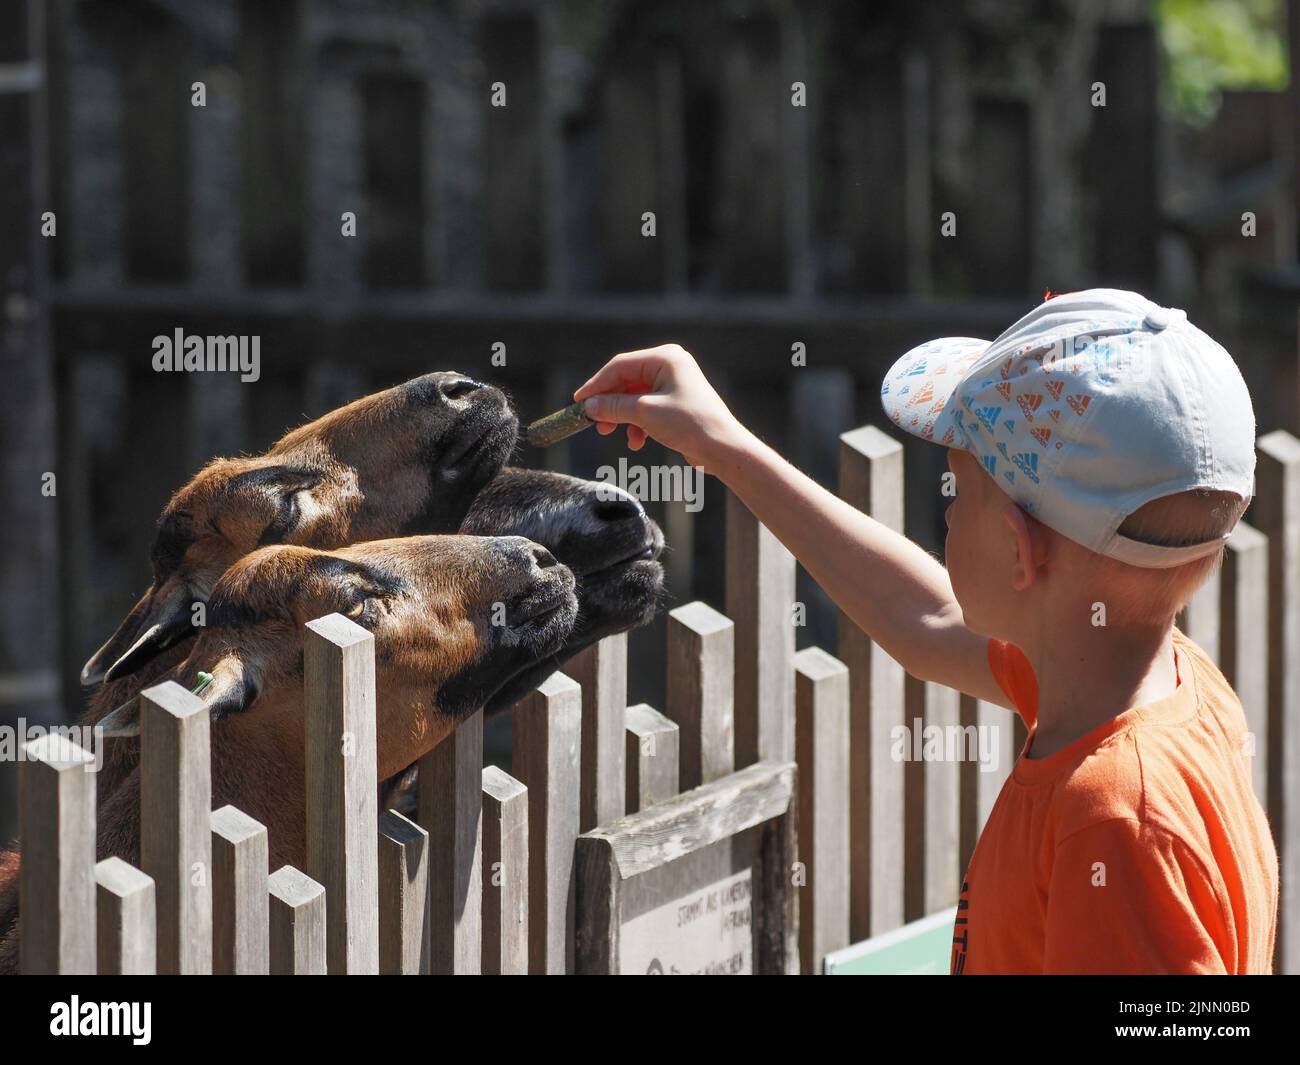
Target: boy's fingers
[609, 378]
[631, 371]
[612, 407]
[635, 437]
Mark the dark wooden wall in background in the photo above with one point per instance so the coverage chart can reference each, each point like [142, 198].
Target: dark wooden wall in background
[522, 225]
[30, 687]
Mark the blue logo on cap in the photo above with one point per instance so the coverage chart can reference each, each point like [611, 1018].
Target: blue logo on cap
[989, 416]
[1028, 463]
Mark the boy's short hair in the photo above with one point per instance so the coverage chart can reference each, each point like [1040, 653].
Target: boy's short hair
[1138, 595]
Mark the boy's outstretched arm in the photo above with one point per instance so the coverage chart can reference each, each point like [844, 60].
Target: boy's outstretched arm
[899, 595]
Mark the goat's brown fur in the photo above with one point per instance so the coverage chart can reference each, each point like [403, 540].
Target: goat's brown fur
[429, 601]
[409, 459]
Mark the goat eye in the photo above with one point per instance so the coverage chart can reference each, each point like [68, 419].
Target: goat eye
[362, 612]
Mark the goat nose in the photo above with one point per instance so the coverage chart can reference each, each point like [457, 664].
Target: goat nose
[458, 387]
[618, 508]
[542, 558]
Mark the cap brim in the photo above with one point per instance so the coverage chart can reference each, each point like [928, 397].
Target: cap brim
[918, 390]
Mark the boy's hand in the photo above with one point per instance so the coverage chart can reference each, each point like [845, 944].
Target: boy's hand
[661, 393]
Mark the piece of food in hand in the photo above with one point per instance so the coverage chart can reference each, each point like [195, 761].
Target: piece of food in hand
[555, 427]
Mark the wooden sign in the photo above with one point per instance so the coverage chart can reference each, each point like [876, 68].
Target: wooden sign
[702, 883]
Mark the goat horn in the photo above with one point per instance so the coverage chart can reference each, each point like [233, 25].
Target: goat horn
[124, 721]
[163, 617]
[155, 639]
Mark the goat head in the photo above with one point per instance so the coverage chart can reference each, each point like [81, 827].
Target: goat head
[409, 459]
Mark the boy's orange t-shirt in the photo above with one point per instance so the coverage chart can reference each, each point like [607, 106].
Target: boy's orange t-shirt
[1139, 848]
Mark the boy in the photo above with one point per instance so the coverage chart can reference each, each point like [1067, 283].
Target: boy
[1103, 449]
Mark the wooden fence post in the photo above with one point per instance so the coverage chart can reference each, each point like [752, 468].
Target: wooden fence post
[272, 64]
[760, 597]
[1277, 509]
[821, 407]
[932, 839]
[822, 753]
[752, 252]
[796, 152]
[1000, 245]
[298, 929]
[871, 479]
[701, 652]
[514, 206]
[632, 157]
[1202, 617]
[1243, 642]
[176, 824]
[980, 787]
[56, 876]
[403, 896]
[652, 753]
[342, 790]
[30, 541]
[601, 671]
[1128, 230]
[451, 811]
[125, 920]
[545, 759]
[240, 907]
[505, 874]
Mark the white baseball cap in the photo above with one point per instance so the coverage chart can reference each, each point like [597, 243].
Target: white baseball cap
[1091, 405]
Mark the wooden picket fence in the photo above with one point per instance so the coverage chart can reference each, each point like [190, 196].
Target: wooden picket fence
[546, 869]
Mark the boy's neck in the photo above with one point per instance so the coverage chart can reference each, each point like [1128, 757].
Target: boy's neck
[1091, 676]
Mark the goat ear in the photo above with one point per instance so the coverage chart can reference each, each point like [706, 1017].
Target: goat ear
[233, 690]
[155, 623]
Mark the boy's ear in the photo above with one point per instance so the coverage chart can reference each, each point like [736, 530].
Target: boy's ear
[1031, 545]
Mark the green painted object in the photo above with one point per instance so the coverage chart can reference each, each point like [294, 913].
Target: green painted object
[922, 948]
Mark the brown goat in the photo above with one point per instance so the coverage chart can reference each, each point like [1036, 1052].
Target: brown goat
[602, 534]
[409, 459]
[428, 600]
[599, 531]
